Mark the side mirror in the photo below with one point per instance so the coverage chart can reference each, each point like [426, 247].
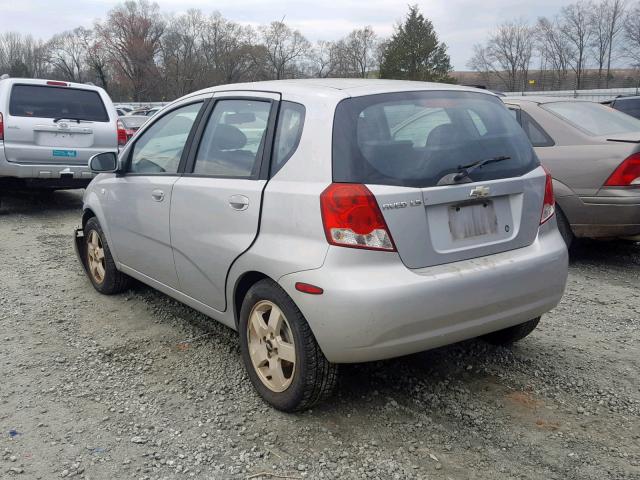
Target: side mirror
[104, 162]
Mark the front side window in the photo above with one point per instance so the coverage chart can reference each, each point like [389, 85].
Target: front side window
[233, 139]
[414, 139]
[593, 118]
[40, 101]
[159, 149]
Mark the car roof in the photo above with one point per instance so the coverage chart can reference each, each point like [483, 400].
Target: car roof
[41, 81]
[541, 99]
[338, 87]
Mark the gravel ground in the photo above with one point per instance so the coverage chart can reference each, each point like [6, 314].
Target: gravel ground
[140, 386]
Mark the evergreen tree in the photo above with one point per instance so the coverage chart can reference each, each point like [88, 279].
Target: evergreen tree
[414, 52]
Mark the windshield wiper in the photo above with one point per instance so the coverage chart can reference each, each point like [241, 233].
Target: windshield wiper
[73, 119]
[465, 170]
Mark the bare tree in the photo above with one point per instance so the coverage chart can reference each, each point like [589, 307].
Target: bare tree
[284, 47]
[554, 50]
[632, 34]
[67, 52]
[132, 34]
[507, 54]
[576, 28]
[360, 48]
[606, 22]
[181, 52]
[229, 49]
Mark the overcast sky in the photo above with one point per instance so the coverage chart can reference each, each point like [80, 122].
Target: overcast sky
[460, 23]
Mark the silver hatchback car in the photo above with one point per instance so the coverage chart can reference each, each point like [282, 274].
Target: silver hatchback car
[331, 221]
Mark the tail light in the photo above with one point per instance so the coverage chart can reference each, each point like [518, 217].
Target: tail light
[549, 202]
[627, 174]
[122, 134]
[352, 218]
[57, 84]
[1, 127]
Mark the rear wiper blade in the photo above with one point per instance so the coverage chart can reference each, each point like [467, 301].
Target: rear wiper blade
[74, 119]
[465, 170]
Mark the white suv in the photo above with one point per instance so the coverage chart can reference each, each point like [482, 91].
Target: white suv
[50, 129]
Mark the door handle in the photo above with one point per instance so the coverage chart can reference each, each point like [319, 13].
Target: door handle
[238, 202]
[157, 195]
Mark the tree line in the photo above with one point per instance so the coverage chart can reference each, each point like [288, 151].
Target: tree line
[139, 53]
[575, 49]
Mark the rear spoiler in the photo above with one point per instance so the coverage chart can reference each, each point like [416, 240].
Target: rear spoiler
[622, 141]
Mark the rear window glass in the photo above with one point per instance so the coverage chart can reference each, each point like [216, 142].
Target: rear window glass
[629, 106]
[593, 118]
[41, 101]
[416, 138]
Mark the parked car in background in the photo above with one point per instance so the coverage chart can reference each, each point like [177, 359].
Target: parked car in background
[331, 221]
[145, 111]
[629, 105]
[49, 130]
[128, 126]
[593, 154]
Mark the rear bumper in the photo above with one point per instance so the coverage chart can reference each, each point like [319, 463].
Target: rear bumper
[373, 307]
[604, 217]
[46, 173]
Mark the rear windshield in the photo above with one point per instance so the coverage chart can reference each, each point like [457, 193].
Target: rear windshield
[40, 101]
[414, 139]
[133, 122]
[593, 118]
[630, 106]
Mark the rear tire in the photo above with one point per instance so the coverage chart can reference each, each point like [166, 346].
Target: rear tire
[564, 227]
[511, 335]
[100, 266]
[272, 329]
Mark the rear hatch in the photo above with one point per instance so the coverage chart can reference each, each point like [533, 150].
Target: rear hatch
[56, 125]
[407, 147]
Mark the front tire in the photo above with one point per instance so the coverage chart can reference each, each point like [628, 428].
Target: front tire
[281, 355]
[99, 263]
[513, 334]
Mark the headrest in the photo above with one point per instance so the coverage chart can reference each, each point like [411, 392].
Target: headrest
[228, 137]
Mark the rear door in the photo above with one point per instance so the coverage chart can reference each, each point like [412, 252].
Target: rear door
[215, 208]
[407, 147]
[57, 124]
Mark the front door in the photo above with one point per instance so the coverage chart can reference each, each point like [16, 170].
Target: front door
[215, 209]
[139, 201]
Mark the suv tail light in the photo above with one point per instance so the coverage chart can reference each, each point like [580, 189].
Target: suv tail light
[352, 218]
[122, 134]
[549, 202]
[627, 174]
[1, 127]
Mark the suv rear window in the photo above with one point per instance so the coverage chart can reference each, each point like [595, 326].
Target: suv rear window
[40, 101]
[414, 139]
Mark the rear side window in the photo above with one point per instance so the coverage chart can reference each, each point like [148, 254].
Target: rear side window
[288, 132]
[537, 136]
[41, 101]
[414, 139]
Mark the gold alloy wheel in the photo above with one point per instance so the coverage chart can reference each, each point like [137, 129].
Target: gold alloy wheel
[95, 257]
[271, 346]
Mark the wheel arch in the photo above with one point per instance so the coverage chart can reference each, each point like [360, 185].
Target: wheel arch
[242, 286]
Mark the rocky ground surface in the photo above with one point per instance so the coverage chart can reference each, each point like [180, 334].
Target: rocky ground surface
[140, 386]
